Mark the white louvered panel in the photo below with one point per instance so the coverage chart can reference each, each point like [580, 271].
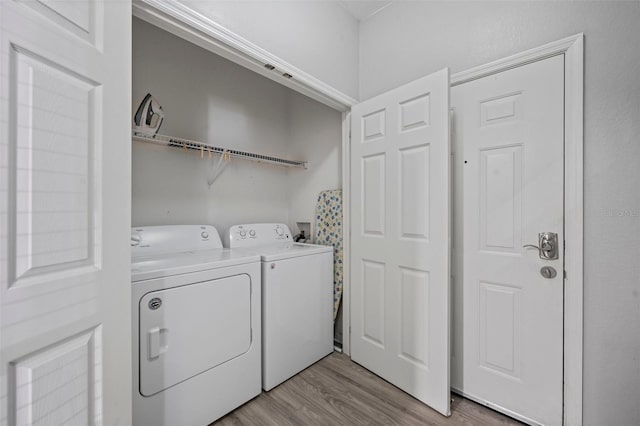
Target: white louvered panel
[64, 289]
[77, 17]
[53, 215]
[4, 186]
[49, 222]
[57, 385]
[77, 13]
[50, 308]
[65, 83]
[3, 398]
[4, 159]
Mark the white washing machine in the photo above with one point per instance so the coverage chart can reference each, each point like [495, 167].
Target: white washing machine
[297, 299]
[196, 314]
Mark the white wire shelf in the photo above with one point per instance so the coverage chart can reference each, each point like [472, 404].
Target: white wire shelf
[205, 150]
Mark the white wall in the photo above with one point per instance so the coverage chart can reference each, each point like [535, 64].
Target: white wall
[208, 98]
[314, 134]
[318, 37]
[411, 39]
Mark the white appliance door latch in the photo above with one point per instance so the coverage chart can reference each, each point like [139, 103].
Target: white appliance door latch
[158, 342]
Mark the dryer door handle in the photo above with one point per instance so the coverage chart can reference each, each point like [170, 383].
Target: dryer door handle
[157, 339]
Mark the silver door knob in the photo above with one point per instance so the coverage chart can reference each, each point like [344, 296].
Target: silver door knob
[547, 245]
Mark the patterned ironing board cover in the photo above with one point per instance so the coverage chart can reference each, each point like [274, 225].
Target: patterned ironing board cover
[329, 232]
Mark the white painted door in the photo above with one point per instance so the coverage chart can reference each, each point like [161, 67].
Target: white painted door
[508, 139]
[400, 237]
[65, 212]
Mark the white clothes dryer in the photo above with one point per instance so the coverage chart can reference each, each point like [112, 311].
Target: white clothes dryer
[297, 299]
[196, 314]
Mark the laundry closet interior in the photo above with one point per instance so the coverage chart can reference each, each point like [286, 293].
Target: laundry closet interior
[208, 98]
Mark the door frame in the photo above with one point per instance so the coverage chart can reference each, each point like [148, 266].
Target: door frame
[573, 50]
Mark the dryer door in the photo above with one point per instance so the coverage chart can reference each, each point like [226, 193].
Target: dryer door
[187, 330]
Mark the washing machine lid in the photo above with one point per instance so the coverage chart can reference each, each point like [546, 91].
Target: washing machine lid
[170, 264]
[290, 250]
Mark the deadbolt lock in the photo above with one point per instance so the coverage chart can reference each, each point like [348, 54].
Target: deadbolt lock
[548, 272]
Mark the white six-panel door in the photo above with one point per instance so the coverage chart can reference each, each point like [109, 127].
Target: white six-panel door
[508, 318]
[65, 93]
[400, 237]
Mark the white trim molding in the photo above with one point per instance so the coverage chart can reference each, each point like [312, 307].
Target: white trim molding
[346, 232]
[573, 50]
[574, 249]
[184, 22]
[532, 55]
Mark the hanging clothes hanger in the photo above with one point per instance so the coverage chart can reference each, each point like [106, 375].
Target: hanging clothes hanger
[224, 159]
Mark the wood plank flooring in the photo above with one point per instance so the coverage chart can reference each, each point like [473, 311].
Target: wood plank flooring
[337, 391]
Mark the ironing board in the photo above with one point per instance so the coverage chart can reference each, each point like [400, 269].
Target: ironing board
[329, 233]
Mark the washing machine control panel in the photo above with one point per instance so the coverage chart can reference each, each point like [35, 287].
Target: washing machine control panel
[255, 234]
[150, 240]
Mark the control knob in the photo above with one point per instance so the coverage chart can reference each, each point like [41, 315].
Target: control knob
[252, 232]
[243, 233]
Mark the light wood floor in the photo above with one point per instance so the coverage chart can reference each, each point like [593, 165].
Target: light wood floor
[337, 391]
